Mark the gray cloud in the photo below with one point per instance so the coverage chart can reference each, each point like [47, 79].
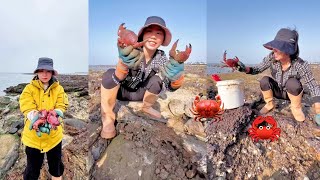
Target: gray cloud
[36, 28]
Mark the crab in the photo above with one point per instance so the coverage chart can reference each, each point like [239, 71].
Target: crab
[232, 63]
[207, 109]
[264, 128]
[41, 120]
[180, 56]
[128, 37]
[215, 77]
[53, 119]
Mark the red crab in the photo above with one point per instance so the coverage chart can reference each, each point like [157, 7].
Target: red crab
[128, 37]
[215, 77]
[41, 121]
[180, 56]
[269, 131]
[207, 109]
[229, 62]
[52, 119]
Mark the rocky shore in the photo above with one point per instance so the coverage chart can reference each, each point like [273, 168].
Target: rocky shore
[181, 148]
[148, 149]
[13, 158]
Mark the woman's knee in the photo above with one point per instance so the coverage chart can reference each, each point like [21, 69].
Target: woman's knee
[109, 81]
[294, 86]
[265, 83]
[154, 85]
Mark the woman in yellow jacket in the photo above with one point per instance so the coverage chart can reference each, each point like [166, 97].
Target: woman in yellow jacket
[43, 93]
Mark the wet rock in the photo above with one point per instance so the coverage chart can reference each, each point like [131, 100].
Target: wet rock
[191, 172]
[123, 161]
[16, 89]
[176, 124]
[8, 152]
[66, 140]
[196, 128]
[5, 111]
[79, 124]
[164, 174]
[15, 127]
[176, 107]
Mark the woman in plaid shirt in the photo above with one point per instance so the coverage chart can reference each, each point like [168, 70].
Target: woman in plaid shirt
[287, 71]
[141, 74]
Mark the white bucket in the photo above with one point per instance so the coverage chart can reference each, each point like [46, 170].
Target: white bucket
[231, 93]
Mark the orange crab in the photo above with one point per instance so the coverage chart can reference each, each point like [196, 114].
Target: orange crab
[264, 128]
[207, 109]
[128, 37]
[230, 62]
[180, 56]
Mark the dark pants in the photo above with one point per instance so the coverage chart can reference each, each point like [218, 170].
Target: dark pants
[35, 160]
[153, 85]
[292, 86]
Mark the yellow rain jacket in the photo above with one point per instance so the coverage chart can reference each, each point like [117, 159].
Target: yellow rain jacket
[34, 97]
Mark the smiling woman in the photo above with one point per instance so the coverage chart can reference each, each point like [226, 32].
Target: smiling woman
[138, 75]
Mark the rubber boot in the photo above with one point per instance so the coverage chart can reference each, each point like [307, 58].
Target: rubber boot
[108, 101]
[296, 107]
[148, 100]
[268, 98]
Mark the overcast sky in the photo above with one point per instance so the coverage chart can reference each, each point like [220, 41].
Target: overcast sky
[44, 28]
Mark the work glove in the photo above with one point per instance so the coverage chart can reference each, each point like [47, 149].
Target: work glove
[129, 55]
[173, 70]
[43, 129]
[59, 112]
[33, 116]
[241, 67]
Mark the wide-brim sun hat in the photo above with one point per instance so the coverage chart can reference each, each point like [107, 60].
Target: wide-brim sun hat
[46, 64]
[285, 41]
[155, 20]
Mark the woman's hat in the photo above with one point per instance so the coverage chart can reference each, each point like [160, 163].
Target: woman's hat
[286, 41]
[155, 20]
[46, 64]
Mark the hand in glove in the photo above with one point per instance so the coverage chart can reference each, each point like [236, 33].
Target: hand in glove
[241, 67]
[33, 116]
[59, 112]
[129, 55]
[172, 70]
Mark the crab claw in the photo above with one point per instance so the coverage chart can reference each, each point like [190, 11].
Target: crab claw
[225, 55]
[127, 37]
[180, 56]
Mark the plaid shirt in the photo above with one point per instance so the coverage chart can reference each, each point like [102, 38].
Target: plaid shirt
[158, 61]
[299, 69]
